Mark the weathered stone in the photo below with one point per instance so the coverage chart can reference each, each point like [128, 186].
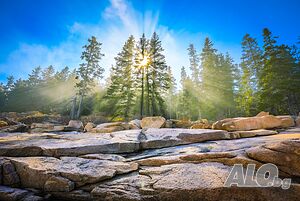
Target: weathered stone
[3, 124]
[46, 127]
[153, 122]
[9, 175]
[285, 154]
[14, 128]
[218, 125]
[34, 172]
[110, 157]
[124, 188]
[248, 123]
[262, 113]
[68, 144]
[89, 127]
[185, 158]
[184, 123]
[252, 133]
[111, 127]
[286, 121]
[58, 184]
[75, 195]
[169, 124]
[136, 123]
[200, 125]
[12, 194]
[186, 181]
[75, 124]
[164, 137]
[15, 194]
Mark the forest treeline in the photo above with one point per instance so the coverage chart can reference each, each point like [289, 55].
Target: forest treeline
[142, 84]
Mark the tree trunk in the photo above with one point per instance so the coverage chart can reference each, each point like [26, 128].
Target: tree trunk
[148, 93]
[79, 107]
[72, 113]
[142, 96]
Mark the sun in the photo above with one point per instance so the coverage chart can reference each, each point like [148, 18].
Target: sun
[145, 60]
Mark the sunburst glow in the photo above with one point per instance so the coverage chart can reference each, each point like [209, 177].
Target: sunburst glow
[145, 61]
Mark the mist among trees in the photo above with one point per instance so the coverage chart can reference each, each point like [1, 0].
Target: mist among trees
[142, 84]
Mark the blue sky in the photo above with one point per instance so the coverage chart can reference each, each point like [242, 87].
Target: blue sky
[40, 33]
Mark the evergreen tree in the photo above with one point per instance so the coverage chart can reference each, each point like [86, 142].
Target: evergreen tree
[194, 64]
[158, 77]
[277, 93]
[251, 64]
[141, 64]
[90, 70]
[121, 90]
[227, 79]
[48, 73]
[210, 84]
[171, 97]
[62, 75]
[184, 104]
[35, 77]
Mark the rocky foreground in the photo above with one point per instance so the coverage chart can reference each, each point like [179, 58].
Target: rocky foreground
[144, 164]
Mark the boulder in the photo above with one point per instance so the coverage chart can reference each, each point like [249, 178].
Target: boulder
[8, 174]
[201, 124]
[76, 124]
[218, 125]
[286, 121]
[248, 123]
[111, 127]
[169, 124]
[3, 124]
[262, 113]
[153, 122]
[89, 127]
[135, 124]
[183, 123]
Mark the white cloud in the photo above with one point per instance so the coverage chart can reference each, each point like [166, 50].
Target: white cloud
[118, 21]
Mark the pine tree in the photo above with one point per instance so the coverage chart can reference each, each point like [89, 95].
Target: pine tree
[48, 73]
[141, 64]
[158, 77]
[184, 102]
[194, 64]
[277, 88]
[210, 84]
[171, 96]
[251, 68]
[90, 70]
[121, 90]
[35, 77]
[226, 92]
[63, 75]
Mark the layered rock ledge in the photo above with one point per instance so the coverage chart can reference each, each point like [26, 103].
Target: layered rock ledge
[147, 164]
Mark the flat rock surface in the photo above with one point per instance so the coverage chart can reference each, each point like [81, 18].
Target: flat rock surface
[35, 171]
[148, 164]
[88, 143]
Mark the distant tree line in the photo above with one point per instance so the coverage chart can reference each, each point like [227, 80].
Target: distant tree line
[142, 84]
